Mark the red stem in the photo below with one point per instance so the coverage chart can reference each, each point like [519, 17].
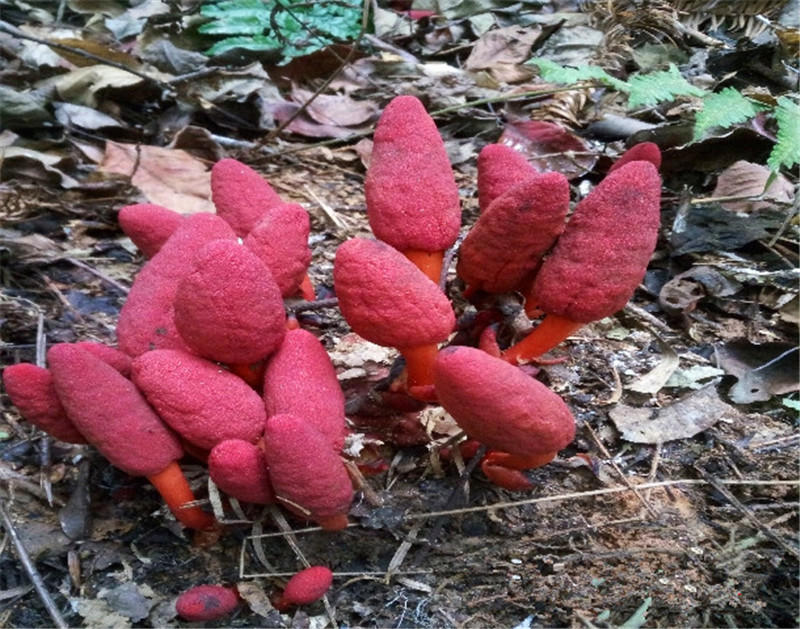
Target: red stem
[550, 332]
[175, 490]
[429, 262]
[419, 370]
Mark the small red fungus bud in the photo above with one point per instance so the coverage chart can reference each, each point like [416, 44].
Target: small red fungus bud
[148, 225]
[280, 240]
[305, 587]
[388, 301]
[598, 261]
[31, 391]
[242, 196]
[113, 415]
[117, 359]
[509, 239]
[301, 380]
[411, 193]
[500, 168]
[306, 472]
[228, 308]
[497, 404]
[205, 603]
[240, 470]
[146, 319]
[642, 152]
[200, 400]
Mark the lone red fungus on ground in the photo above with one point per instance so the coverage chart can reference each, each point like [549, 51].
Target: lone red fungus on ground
[305, 587]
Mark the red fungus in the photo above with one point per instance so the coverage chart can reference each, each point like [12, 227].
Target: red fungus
[240, 470]
[412, 197]
[500, 406]
[307, 475]
[228, 308]
[242, 196]
[31, 390]
[205, 603]
[598, 261]
[388, 301]
[642, 152]
[148, 225]
[511, 236]
[500, 168]
[301, 380]
[117, 359]
[198, 399]
[146, 319]
[280, 240]
[112, 414]
[305, 587]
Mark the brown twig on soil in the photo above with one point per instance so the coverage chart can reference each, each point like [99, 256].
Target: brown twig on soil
[109, 280]
[44, 442]
[319, 304]
[768, 532]
[31, 571]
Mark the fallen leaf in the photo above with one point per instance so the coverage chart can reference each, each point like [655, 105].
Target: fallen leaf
[168, 177]
[695, 377]
[20, 162]
[549, 147]
[126, 599]
[656, 378]
[336, 109]
[71, 115]
[81, 86]
[762, 370]
[502, 51]
[745, 179]
[692, 414]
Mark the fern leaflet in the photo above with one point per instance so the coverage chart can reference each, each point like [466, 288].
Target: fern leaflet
[656, 87]
[724, 109]
[554, 73]
[786, 151]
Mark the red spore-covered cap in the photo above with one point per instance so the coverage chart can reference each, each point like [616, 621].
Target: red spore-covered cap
[200, 400]
[242, 196]
[117, 359]
[642, 152]
[386, 299]
[308, 586]
[304, 469]
[301, 380]
[31, 390]
[228, 307]
[499, 405]
[500, 168]
[412, 197]
[111, 413]
[146, 319]
[148, 225]
[280, 240]
[205, 603]
[603, 253]
[509, 239]
[240, 470]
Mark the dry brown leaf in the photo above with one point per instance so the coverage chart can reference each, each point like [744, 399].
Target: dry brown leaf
[168, 177]
[745, 179]
[338, 110]
[502, 51]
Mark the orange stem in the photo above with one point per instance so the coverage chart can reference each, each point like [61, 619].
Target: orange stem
[429, 262]
[419, 370]
[251, 373]
[550, 332]
[306, 289]
[175, 490]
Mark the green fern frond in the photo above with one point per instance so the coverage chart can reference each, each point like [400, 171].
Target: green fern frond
[554, 73]
[656, 87]
[786, 151]
[724, 109]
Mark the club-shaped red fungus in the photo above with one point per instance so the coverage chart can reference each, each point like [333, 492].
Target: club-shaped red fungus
[198, 399]
[411, 193]
[146, 320]
[241, 196]
[642, 152]
[206, 603]
[598, 261]
[305, 587]
[500, 168]
[499, 405]
[389, 301]
[308, 477]
[148, 225]
[31, 390]
[227, 307]
[239, 469]
[301, 380]
[508, 241]
[113, 416]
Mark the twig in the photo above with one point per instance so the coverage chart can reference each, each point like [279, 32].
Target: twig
[318, 304]
[44, 442]
[109, 280]
[327, 209]
[402, 550]
[32, 572]
[768, 532]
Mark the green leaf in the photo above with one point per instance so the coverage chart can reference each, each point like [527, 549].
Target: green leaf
[724, 109]
[554, 73]
[250, 25]
[639, 616]
[786, 152]
[656, 87]
[790, 403]
[256, 43]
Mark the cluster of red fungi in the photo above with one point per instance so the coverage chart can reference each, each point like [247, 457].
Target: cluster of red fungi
[209, 365]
